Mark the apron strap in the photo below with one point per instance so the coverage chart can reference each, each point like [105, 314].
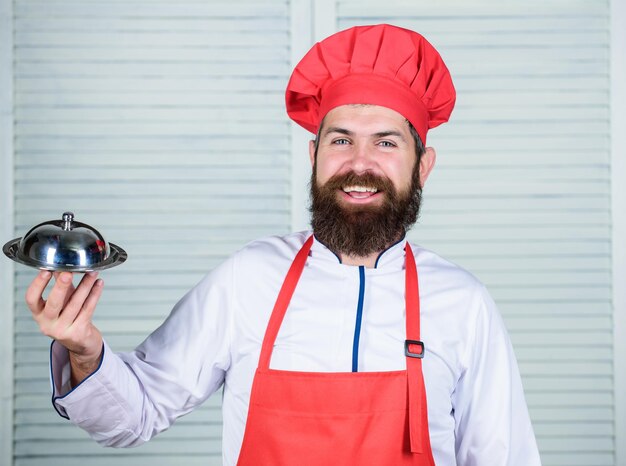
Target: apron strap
[282, 303]
[414, 351]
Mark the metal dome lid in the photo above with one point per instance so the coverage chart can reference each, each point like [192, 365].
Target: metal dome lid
[64, 245]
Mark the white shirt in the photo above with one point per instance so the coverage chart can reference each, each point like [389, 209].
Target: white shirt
[476, 408]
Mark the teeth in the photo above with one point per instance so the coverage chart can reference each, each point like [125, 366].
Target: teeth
[359, 189]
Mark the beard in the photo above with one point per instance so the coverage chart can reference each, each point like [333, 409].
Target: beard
[357, 230]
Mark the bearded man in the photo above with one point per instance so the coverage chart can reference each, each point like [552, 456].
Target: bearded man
[347, 345]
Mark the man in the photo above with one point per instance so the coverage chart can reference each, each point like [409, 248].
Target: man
[351, 346]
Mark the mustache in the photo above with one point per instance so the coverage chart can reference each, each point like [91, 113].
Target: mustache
[366, 179]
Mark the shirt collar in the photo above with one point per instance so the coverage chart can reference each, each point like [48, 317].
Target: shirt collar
[391, 257]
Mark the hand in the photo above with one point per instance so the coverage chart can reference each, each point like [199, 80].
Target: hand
[66, 317]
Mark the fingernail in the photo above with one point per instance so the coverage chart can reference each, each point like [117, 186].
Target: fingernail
[45, 274]
[66, 277]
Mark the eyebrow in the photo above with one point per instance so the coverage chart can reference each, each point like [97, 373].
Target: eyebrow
[384, 134]
[347, 132]
[336, 129]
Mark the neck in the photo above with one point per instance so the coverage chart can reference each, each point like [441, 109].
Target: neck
[367, 261]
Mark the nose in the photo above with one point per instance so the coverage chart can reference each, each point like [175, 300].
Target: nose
[362, 158]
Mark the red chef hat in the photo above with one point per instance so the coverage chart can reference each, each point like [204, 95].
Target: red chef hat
[379, 65]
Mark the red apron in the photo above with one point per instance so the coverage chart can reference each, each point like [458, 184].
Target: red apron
[338, 418]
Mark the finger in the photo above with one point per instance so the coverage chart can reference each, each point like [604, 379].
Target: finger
[70, 290]
[89, 307]
[34, 293]
[77, 299]
[58, 295]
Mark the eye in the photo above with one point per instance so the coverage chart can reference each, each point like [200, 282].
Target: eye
[340, 141]
[387, 144]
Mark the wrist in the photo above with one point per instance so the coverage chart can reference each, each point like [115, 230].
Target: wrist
[84, 362]
[82, 366]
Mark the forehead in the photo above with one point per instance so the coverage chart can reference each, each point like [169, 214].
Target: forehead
[361, 118]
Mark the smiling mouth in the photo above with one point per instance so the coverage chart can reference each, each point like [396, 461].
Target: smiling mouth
[359, 192]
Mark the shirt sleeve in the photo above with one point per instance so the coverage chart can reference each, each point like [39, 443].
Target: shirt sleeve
[133, 396]
[493, 426]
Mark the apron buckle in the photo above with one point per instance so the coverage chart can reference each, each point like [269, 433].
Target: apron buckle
[409, 345]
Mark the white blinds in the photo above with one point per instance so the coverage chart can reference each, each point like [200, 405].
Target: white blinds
[521, 194]
[161, 124]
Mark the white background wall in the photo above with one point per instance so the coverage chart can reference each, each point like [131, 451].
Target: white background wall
[162, 124]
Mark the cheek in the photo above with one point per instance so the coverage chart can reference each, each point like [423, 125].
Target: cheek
[401, 175]
[326, 168]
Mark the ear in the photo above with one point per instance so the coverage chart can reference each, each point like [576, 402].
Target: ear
[427, 163]
[312, 151]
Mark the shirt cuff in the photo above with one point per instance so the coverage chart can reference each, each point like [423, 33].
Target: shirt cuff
[60, 376]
